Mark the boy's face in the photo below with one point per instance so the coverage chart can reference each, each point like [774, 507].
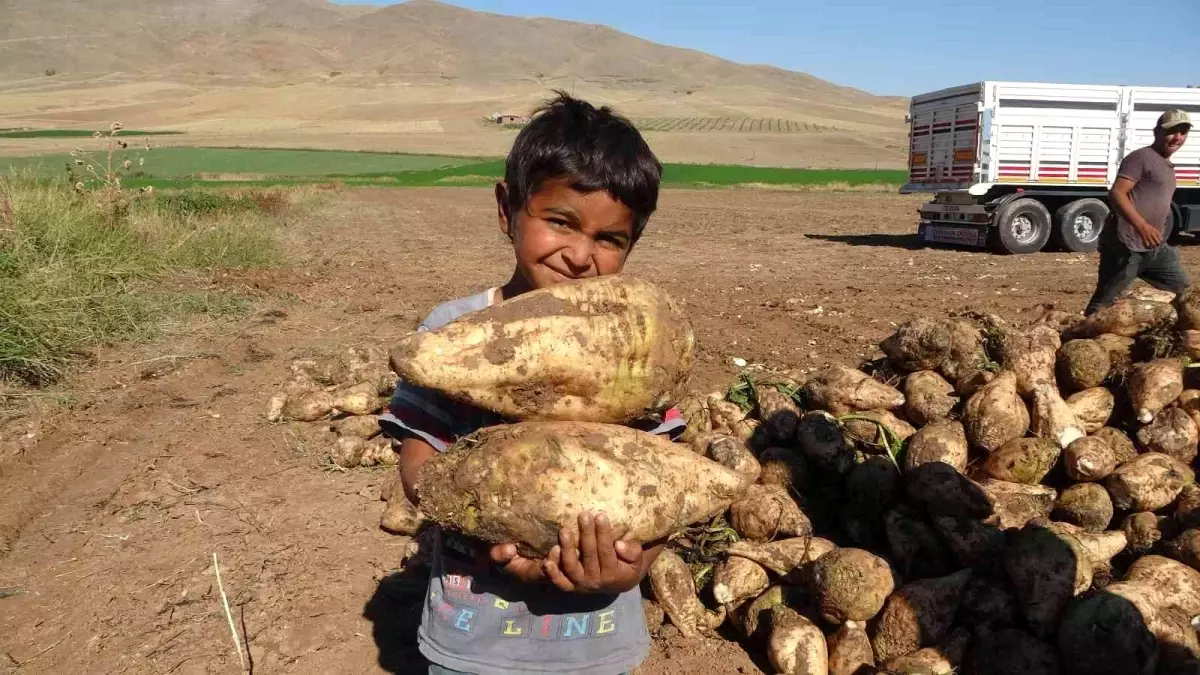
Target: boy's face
[563, 234]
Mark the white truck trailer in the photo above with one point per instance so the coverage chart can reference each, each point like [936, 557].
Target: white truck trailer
[1017, 165]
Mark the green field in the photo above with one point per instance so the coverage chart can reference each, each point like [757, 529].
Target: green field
[188, 167]
[75, 133]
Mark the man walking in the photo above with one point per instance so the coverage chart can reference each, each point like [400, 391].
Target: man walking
[1132, 243]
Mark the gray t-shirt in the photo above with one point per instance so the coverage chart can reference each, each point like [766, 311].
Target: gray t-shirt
[477, 619]
[1154, 178]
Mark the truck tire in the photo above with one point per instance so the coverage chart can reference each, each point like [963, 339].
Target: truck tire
[1022, 226]
[1077, 225]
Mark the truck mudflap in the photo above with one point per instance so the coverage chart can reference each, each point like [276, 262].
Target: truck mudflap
[959, 234]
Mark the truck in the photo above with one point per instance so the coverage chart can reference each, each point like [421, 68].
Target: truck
[1020, 166]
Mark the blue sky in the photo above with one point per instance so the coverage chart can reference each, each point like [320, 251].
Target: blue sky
[906, 47]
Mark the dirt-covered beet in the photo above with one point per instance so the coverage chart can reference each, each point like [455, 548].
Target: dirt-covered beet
[1089, 459]
[1178, 583]
[1122, 447]
[738, 580]
[1023, 460]
[823, 442]
[796, 645]
[767, 512]
[1082, 364]
[1047, 567]
[1015, 504]
[1142, 531]
[778, 412]
[1154, 385]
[1185, 548]
[850, 651]
[1093, 408]
[864, 429]
[917, 615]
[732, 453]
[967, 358]
[942, 659]
[943, 440]
[675, 591]
[524, 482]
[782, 466]
[1187, 507]
[1172, 433]
[1148, 482]
[943, 491]
[782, 556]
[1106, 633]
[840, 390]
[850, 584]
[604, 349]
[928, 397]
[1052, 417]
[919, 344]
[1086, 505]
[1126, 317]
[996, 414]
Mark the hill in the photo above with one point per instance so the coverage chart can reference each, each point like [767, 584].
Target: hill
[230, 67]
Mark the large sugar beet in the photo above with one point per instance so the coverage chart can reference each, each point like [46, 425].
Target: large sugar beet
[523, 482]
[1108, 633]
[996, 414]
[840, 390]
[967, 354]
[1048, 566]
[675, 590]
[1148, 482]
[919, 344]
[1082, 364]
[1031, 355]
[1125, 317]
[1172, 433]
[1053, 418]
[607, 349]
[940, 441]
[1153, 385]
[1092, 407]
[1023, 460]
[927, 397]
[917, 615]
[851, 584]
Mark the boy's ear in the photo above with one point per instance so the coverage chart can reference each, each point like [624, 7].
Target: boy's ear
[502, 209]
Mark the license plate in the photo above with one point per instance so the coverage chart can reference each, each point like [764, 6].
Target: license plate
[967, 236]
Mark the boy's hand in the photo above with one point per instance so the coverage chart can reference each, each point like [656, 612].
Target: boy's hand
[591, 561]
[526, 569]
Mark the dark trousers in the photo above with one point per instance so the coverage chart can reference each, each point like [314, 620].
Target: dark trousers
[1120, 267]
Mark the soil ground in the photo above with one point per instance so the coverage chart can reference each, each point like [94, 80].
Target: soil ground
[117, 493]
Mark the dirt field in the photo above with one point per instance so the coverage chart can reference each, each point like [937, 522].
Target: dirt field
[115, 499]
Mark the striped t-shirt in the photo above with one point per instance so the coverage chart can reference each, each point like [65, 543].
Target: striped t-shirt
[475, 618]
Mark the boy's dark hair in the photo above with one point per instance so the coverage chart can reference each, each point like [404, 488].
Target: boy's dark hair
[594, 147]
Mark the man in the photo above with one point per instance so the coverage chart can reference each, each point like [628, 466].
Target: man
[1132, 243]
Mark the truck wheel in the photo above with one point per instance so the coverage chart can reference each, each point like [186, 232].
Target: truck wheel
[1077, 225]
[1023, 226]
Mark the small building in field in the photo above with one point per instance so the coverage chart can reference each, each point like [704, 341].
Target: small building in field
[503, 119]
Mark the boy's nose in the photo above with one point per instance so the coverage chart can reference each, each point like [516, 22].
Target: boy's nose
[578, 255]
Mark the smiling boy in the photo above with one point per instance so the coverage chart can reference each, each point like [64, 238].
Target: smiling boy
[580, 184]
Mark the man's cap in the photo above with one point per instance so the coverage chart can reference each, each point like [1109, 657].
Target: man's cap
[1173, 118]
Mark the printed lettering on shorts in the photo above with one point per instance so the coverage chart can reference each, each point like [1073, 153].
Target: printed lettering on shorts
[459, 618]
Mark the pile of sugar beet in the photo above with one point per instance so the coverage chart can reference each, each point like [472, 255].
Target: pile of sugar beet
[986, 497]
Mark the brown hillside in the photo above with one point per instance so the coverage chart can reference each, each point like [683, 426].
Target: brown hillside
[414, 76]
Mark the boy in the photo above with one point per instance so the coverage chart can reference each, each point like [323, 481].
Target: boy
[579, 186]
